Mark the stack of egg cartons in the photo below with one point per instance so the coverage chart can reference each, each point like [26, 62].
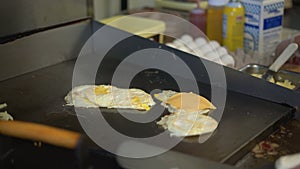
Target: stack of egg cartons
[210, 50]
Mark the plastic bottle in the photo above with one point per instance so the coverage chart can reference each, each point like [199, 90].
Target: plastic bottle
[198, 17]
[233, 25]
[214, 19]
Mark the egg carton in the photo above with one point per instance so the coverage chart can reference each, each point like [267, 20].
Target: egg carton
[210, 50]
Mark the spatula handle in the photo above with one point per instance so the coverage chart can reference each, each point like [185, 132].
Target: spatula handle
[283, 57]
[39, 132]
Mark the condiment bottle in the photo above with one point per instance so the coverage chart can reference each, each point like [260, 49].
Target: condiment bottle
[198, 17]
[233, 25]
[214, 19]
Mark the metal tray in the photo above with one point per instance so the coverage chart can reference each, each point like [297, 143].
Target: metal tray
[283, 74]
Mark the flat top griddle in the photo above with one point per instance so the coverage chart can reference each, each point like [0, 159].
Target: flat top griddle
[38, 97]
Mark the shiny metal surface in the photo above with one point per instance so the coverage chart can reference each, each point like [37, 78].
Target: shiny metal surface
[170, 159]
[42, 49]
[39, 97]
[20, 15]
[283, 74]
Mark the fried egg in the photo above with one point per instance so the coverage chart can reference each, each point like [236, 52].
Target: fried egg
[3, 105]
[184, 102]
[189, 113]
[188, 124]
[110, 97]
[5, 116]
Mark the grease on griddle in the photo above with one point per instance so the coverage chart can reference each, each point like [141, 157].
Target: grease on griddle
[276, 145]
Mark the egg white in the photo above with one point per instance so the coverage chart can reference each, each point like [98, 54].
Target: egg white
[182, 123]
[188, 124]
[110, 97]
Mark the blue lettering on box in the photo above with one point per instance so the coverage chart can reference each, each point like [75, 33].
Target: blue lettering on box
[251, 26]
[275, 8]
[252, 18]
[272, 22]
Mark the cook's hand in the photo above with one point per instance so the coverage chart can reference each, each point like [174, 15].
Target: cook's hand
[288, 162]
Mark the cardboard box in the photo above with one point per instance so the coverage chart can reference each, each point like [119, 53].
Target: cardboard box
[263, 25]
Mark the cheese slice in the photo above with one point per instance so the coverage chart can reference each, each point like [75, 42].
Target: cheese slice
[189, 102]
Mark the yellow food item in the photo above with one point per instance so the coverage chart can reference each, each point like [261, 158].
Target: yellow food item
[190, 102]
[138, 102]
[184, 102]
[102, 89]
[286, 83]
[109, 96]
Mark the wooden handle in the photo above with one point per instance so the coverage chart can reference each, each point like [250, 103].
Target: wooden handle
[39, 132]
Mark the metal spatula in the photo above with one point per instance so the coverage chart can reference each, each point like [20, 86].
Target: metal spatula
[282, 58]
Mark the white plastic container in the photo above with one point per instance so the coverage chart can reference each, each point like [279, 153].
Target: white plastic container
[263, 25]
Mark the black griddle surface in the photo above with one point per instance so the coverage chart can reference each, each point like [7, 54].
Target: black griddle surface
[39, 97]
